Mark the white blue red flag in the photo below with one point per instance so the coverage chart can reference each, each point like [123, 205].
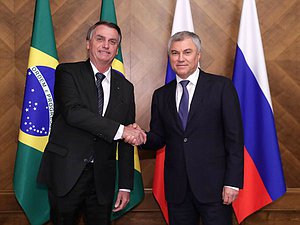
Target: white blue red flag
[182, 21]
[263, 175]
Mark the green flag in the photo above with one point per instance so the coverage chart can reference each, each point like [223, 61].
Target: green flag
[37, 112]
[108, 13]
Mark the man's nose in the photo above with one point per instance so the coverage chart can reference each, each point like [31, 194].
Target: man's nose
[105, 44]
[180, 57]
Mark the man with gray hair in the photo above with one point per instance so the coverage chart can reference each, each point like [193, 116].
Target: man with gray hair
[197, 118]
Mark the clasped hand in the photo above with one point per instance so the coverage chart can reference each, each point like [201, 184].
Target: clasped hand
[134, 135]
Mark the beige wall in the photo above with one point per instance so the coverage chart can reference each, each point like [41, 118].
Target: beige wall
[146, 27]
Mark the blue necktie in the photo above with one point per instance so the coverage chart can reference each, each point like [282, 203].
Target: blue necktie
[184, 103]
[100, 78]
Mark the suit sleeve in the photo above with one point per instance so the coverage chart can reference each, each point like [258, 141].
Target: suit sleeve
[234, 143]
[74, 110]
[125, 150]
[155, 137]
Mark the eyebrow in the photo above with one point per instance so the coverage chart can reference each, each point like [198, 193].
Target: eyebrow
[99, 35]
[187, 49]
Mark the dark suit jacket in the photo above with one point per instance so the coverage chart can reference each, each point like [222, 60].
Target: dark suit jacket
[78, 131]
[209, 153]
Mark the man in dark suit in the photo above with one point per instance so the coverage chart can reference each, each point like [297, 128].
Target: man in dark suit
[93, 107]
[197, 117]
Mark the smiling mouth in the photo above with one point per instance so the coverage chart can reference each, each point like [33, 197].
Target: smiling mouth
[104, 52]
[181, 65]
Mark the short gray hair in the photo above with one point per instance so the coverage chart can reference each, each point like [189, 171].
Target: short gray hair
[182, 35]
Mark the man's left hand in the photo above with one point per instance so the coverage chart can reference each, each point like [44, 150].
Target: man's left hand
[229, 195]
[122, 200]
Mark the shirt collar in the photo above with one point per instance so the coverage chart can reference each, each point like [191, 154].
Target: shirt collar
[107, 73]
[193, 78]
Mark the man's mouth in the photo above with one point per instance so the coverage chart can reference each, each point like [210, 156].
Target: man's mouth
[181, 65]
[104, 52]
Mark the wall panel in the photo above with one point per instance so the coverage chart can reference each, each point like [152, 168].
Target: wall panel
[146, 27]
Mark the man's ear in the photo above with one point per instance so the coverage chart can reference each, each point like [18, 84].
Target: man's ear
[88, 45]
[199, 56]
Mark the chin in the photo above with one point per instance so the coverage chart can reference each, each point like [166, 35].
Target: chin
[181, 72]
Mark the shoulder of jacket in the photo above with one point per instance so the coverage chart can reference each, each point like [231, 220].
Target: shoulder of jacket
[120, 77]
[215, 77]
[167, 86]
[70, 64]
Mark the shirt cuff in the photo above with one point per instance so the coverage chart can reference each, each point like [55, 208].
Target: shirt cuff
[234, 188]
[126, 190]
[119, 133]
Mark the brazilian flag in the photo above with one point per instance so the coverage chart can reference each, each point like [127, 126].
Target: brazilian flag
[108, 13]
[37, 112]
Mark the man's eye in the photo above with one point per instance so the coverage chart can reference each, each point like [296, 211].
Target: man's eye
[113, 42]
[99, 38]
[174, 53]
[187, 52]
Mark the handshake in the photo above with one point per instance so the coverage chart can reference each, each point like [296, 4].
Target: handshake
[134, 135]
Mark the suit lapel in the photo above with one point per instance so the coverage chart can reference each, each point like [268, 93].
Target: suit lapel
[89, 84]
[171, 101]
[114, 98]
[199, 94]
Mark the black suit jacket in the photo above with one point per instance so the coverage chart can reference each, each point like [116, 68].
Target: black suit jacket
[78, 131]
[209, 153]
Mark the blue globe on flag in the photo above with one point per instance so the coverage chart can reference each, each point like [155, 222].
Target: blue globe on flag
[38, 106]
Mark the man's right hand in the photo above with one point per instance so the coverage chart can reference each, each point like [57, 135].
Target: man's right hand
[134, 135]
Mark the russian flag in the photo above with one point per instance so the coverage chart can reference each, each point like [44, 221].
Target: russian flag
[263, 175]
[182, 21]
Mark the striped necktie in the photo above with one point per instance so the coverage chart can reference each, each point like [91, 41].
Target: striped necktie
[100, 78]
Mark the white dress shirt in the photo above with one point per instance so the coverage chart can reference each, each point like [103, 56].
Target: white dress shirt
[106, 93]
[193, 78]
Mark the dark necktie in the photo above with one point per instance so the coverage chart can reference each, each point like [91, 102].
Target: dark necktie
[100, 78]
[184, 103]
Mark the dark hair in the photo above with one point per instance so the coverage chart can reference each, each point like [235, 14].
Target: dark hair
[105, 23]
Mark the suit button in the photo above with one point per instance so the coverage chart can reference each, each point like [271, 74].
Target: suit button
[85, 160]
[185, 140]
[95, 139]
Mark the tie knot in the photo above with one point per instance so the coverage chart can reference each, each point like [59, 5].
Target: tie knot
[184, 83]
[100, 76]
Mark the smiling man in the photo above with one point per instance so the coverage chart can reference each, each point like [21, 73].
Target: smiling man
[94, 106]
[197, 117]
